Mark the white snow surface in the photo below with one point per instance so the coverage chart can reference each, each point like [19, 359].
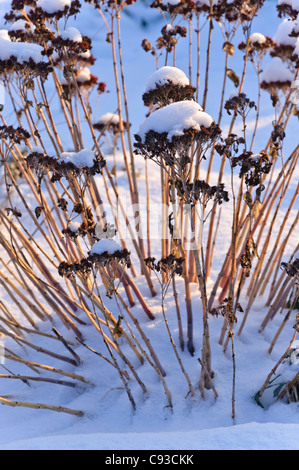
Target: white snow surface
[22, 51]
[83, 75]
[53, 6]
[105, 245]
[251, 436]
[22, 25]
[165, 75]
[175, 118]
[171, 2]
[258, 37]
[282, 36]
[108, 118]
[4, 34]
[72, 34]
[80, 159]
[276, 71]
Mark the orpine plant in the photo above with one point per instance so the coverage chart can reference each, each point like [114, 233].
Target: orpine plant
[73, 190]
[177, 136]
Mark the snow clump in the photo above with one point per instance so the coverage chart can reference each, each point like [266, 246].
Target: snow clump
[176, 118]
[52, 6]
[164, 75]
[258, 38]
[83, 158]
[276, 71]
[282, 36]
[105, 246]
[71, 34]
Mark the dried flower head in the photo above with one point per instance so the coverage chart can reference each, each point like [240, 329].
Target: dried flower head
[239, 104]
[167, 85]
[200, 190]
[70, 163]
[257, 45]
[76, 80]
[170, 264]
[226, 309]
[169, 133]
[253, 167]
[55, 10]
[16, 135]
[118, 4]
[109, 122]
[168, 40]
[287, 8]
[292, 269]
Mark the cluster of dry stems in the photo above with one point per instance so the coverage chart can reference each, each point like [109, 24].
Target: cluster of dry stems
[32, 258]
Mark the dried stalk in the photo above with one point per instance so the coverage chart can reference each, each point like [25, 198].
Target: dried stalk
[41, 406]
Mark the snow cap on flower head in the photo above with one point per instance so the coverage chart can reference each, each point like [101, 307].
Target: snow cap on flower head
[174, 119]
[166, 85]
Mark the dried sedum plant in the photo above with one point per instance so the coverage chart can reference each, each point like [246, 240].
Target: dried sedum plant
[66, 262]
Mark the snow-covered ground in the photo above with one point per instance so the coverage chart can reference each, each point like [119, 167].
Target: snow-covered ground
[109, 423]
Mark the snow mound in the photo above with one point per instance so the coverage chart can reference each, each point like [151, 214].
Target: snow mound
[276, 71]
[22, 25]
[4, 34]
[71, 34]
[108, 118]
[22, 51]
[258, 37]
[105, 245]
[282, 36]
[176, 118]
[165, 75]
[84, 157]
[52, 6]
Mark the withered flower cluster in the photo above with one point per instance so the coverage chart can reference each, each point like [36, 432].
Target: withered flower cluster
[292, 269]
[284, 51]
[239, 104]
[16, 135]
[85, 228]
[37, 14]
[71, 10]
[226, 310]
[201, 191]
[73, 47]
[75, 81]
[168, 39]
[71, 52]
[242, 10]
[110, 3]
[257, 47]
[253, 167]
[287, 9]
[112, 127]
[247, 257]
[174, 152]
[28, 69]
[169, 264]
[44, 163]
[229, 145]
[168, 93]
[23, 35]
[94, 261]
